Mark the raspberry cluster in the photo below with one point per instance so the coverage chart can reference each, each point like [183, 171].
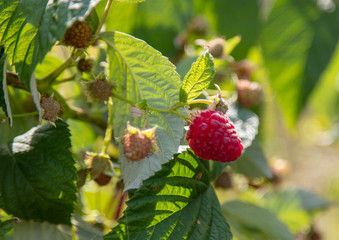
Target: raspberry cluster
[212, 137]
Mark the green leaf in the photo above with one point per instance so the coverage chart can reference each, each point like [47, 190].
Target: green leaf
[29, 29]
[233, 18]
[256, 220]
[252, 163]
[304, 42]
[159, 22]
[131, 1]
[141, 72]
[246, 124]
[4, 101]
[6, 227]
[34, 230]
[184, 65]
[198, 78]
[176, 203]
[86, 231]
[293, 207]
[37, 175]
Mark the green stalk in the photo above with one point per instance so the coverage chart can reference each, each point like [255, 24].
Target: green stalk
[109, 128]
[22, 114]
[103, 18]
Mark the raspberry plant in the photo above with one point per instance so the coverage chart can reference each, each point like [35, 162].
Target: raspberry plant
[70, 170]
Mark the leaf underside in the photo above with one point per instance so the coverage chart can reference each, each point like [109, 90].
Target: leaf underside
[141, 72]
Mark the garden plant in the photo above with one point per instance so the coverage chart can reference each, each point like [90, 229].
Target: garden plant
[146, 119]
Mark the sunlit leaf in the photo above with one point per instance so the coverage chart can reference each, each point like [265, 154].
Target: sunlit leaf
[176, 203]
[29, 29]
[300, 52]
[198, 78]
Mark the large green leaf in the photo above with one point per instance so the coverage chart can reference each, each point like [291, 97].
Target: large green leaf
[159, 22]
[298, 43]
[37, 175]
[176, 203]
[35, 230]
[293, 206]
[254, 223]
[142, 73]
[4, 101]
[29, 29]
[198, 78]
[241, 17]
[246, 124]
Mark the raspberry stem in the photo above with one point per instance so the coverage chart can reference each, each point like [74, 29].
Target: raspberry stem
[22, 114]
[109, 128]
[149, 107]
[103, 18]
[205, 101]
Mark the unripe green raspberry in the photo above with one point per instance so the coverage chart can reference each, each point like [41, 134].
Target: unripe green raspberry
[85, 65]
[100, 89]
[51, 108]
[78, 35]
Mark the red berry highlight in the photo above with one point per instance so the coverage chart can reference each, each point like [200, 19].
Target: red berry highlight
[212, 136]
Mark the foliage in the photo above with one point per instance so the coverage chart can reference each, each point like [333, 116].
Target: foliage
[70, 179]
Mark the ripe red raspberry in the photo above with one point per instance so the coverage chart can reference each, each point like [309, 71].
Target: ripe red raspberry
[100, 89]
[249, 93]
[138, 144]
[51, 108]
[212, 137]
[85, 65]
[78, 35]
